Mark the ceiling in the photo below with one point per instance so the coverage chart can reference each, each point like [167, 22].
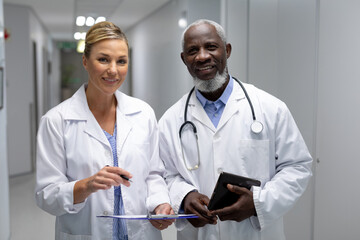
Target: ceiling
[58, 16]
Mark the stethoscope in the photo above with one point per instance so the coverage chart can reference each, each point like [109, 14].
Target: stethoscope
[256, 126]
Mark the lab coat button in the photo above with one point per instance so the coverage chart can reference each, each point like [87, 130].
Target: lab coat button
[220, 170]
[105, 213]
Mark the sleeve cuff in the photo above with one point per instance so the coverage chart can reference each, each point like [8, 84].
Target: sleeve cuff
[67, 190]
[257, 221]
[178, 193]
[155, 200]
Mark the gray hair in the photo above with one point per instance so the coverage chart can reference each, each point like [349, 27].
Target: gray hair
[219, 30]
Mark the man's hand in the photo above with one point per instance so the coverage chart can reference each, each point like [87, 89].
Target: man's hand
[243, 208]
[196, 203]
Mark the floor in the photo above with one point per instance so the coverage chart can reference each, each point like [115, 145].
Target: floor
[27, 221]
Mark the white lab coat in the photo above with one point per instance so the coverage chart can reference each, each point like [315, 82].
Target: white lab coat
[72, 146]
[278, 157]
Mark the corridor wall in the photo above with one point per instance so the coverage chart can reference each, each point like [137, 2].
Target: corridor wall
[25, 50]
[4, 175]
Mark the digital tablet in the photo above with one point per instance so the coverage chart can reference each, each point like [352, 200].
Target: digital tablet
[222, 197]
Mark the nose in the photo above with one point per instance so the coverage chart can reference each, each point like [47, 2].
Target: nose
[112, 68]
[202, 55]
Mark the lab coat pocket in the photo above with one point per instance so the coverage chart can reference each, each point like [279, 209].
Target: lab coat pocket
[143, 230]
[252, 159]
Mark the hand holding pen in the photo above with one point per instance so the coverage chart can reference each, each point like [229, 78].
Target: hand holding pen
[106, 178]
[119, 172]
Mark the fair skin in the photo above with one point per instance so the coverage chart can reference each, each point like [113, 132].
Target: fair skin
[107, 66]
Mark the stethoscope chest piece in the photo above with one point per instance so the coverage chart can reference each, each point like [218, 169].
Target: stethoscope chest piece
[256, 127]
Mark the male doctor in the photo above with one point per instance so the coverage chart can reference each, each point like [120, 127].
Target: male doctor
[272, 150]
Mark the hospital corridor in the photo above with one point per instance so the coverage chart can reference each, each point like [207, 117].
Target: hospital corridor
[303, 55]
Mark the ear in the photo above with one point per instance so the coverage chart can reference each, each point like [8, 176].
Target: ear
[84, 60]
[228, 50]
[182, 57]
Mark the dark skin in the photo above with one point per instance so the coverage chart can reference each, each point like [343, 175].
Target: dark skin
[205, 55]
[242, 209]
[195, 203]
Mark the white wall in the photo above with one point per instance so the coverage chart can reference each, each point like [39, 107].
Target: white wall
[235, 22]
[4, 176]
[159, 76]
[55, 75]
[297, 46]
[25, 28]
[39, 35]
[337, 197]
[19, 88]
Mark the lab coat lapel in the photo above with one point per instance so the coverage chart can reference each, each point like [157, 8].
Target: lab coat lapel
[123, 129]
[79, 110]
[93, 129]
[197, 111]
[232, 106]
[124, 125]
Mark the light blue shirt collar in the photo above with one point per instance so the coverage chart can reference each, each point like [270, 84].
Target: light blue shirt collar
[215, 109]
[223, 98]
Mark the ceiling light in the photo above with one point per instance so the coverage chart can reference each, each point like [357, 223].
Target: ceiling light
[80, 46]
[90, 21]
[80, 21]
[183, 20]
[100, 19]
[77, 36]
[182, 23]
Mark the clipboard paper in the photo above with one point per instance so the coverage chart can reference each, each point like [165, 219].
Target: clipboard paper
[150, 217]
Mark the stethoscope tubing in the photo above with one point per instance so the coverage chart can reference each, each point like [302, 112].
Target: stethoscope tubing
[256, 126]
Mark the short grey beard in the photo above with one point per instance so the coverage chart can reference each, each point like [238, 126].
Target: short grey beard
[211, 85]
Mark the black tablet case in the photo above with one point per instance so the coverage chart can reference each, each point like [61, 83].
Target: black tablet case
[222, 197]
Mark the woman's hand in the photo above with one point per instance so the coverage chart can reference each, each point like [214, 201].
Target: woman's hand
[164, 208]
[102, 180]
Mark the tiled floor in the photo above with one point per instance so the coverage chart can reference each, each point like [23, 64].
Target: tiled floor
[27, 221]
[30, 222]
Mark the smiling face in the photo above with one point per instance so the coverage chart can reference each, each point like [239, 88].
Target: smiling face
[204, 53]
[107, 66]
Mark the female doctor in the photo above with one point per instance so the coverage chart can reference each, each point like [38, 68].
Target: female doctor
[92, 145]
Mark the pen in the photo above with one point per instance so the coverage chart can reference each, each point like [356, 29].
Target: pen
[125, 177]
[122, 176]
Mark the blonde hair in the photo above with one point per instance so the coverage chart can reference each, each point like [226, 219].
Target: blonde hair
[102, 31]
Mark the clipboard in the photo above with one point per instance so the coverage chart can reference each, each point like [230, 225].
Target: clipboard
[222, 197]
[150, 216]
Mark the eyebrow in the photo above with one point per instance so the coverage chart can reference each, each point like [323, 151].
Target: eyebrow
[107, 55]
